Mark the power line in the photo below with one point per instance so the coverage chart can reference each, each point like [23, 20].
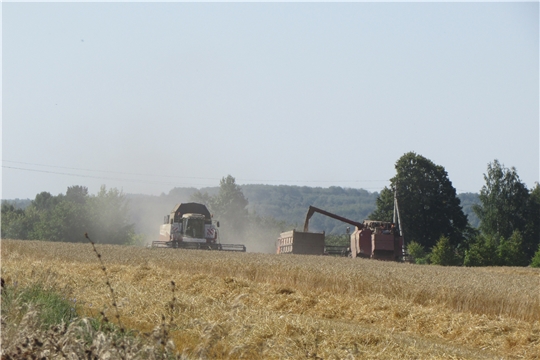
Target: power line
[171, 176]
[107, 171]
[180, 177]
[92, 177]
[191, 184]
[150, 181]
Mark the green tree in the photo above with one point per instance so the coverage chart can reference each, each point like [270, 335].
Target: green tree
[536, 259]
[40, 211]
[503, 200]
[68, 217]
[229, 205]
[59, 218]
[482, 251]
[418, 252]
[428, 204]
[510, 251]
[45, 201]
[443, 253]
[385, 206]
[77, 194]
[204, 198]
[64, 222]
[230, 202]
[15, 224]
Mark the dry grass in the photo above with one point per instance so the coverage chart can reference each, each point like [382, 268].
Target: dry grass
[253, 305]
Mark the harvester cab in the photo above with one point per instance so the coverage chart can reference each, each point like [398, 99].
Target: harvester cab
[193, 227]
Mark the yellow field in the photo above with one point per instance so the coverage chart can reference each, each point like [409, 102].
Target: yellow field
[269, 306]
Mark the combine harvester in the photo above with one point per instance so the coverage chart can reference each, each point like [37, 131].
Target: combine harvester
[190, 226]
[371, 239]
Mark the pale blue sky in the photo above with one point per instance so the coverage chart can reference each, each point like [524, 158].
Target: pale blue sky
[148, 96]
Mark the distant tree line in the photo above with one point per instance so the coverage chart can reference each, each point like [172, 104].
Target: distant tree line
[499, 226]
[68, 217]
[436, 229]
[284, 203]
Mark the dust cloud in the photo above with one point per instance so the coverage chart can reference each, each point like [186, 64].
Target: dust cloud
[256, 233]
[261, 242]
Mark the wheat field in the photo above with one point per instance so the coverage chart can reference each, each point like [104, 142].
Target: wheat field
[246, 305]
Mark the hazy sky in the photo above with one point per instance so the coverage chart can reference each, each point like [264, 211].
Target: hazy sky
[145, 97]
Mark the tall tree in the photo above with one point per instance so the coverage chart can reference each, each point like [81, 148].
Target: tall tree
[231, 200]
[228, 205]
[506, 206]
[503, 200]
[385, 206]
[428, 204]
